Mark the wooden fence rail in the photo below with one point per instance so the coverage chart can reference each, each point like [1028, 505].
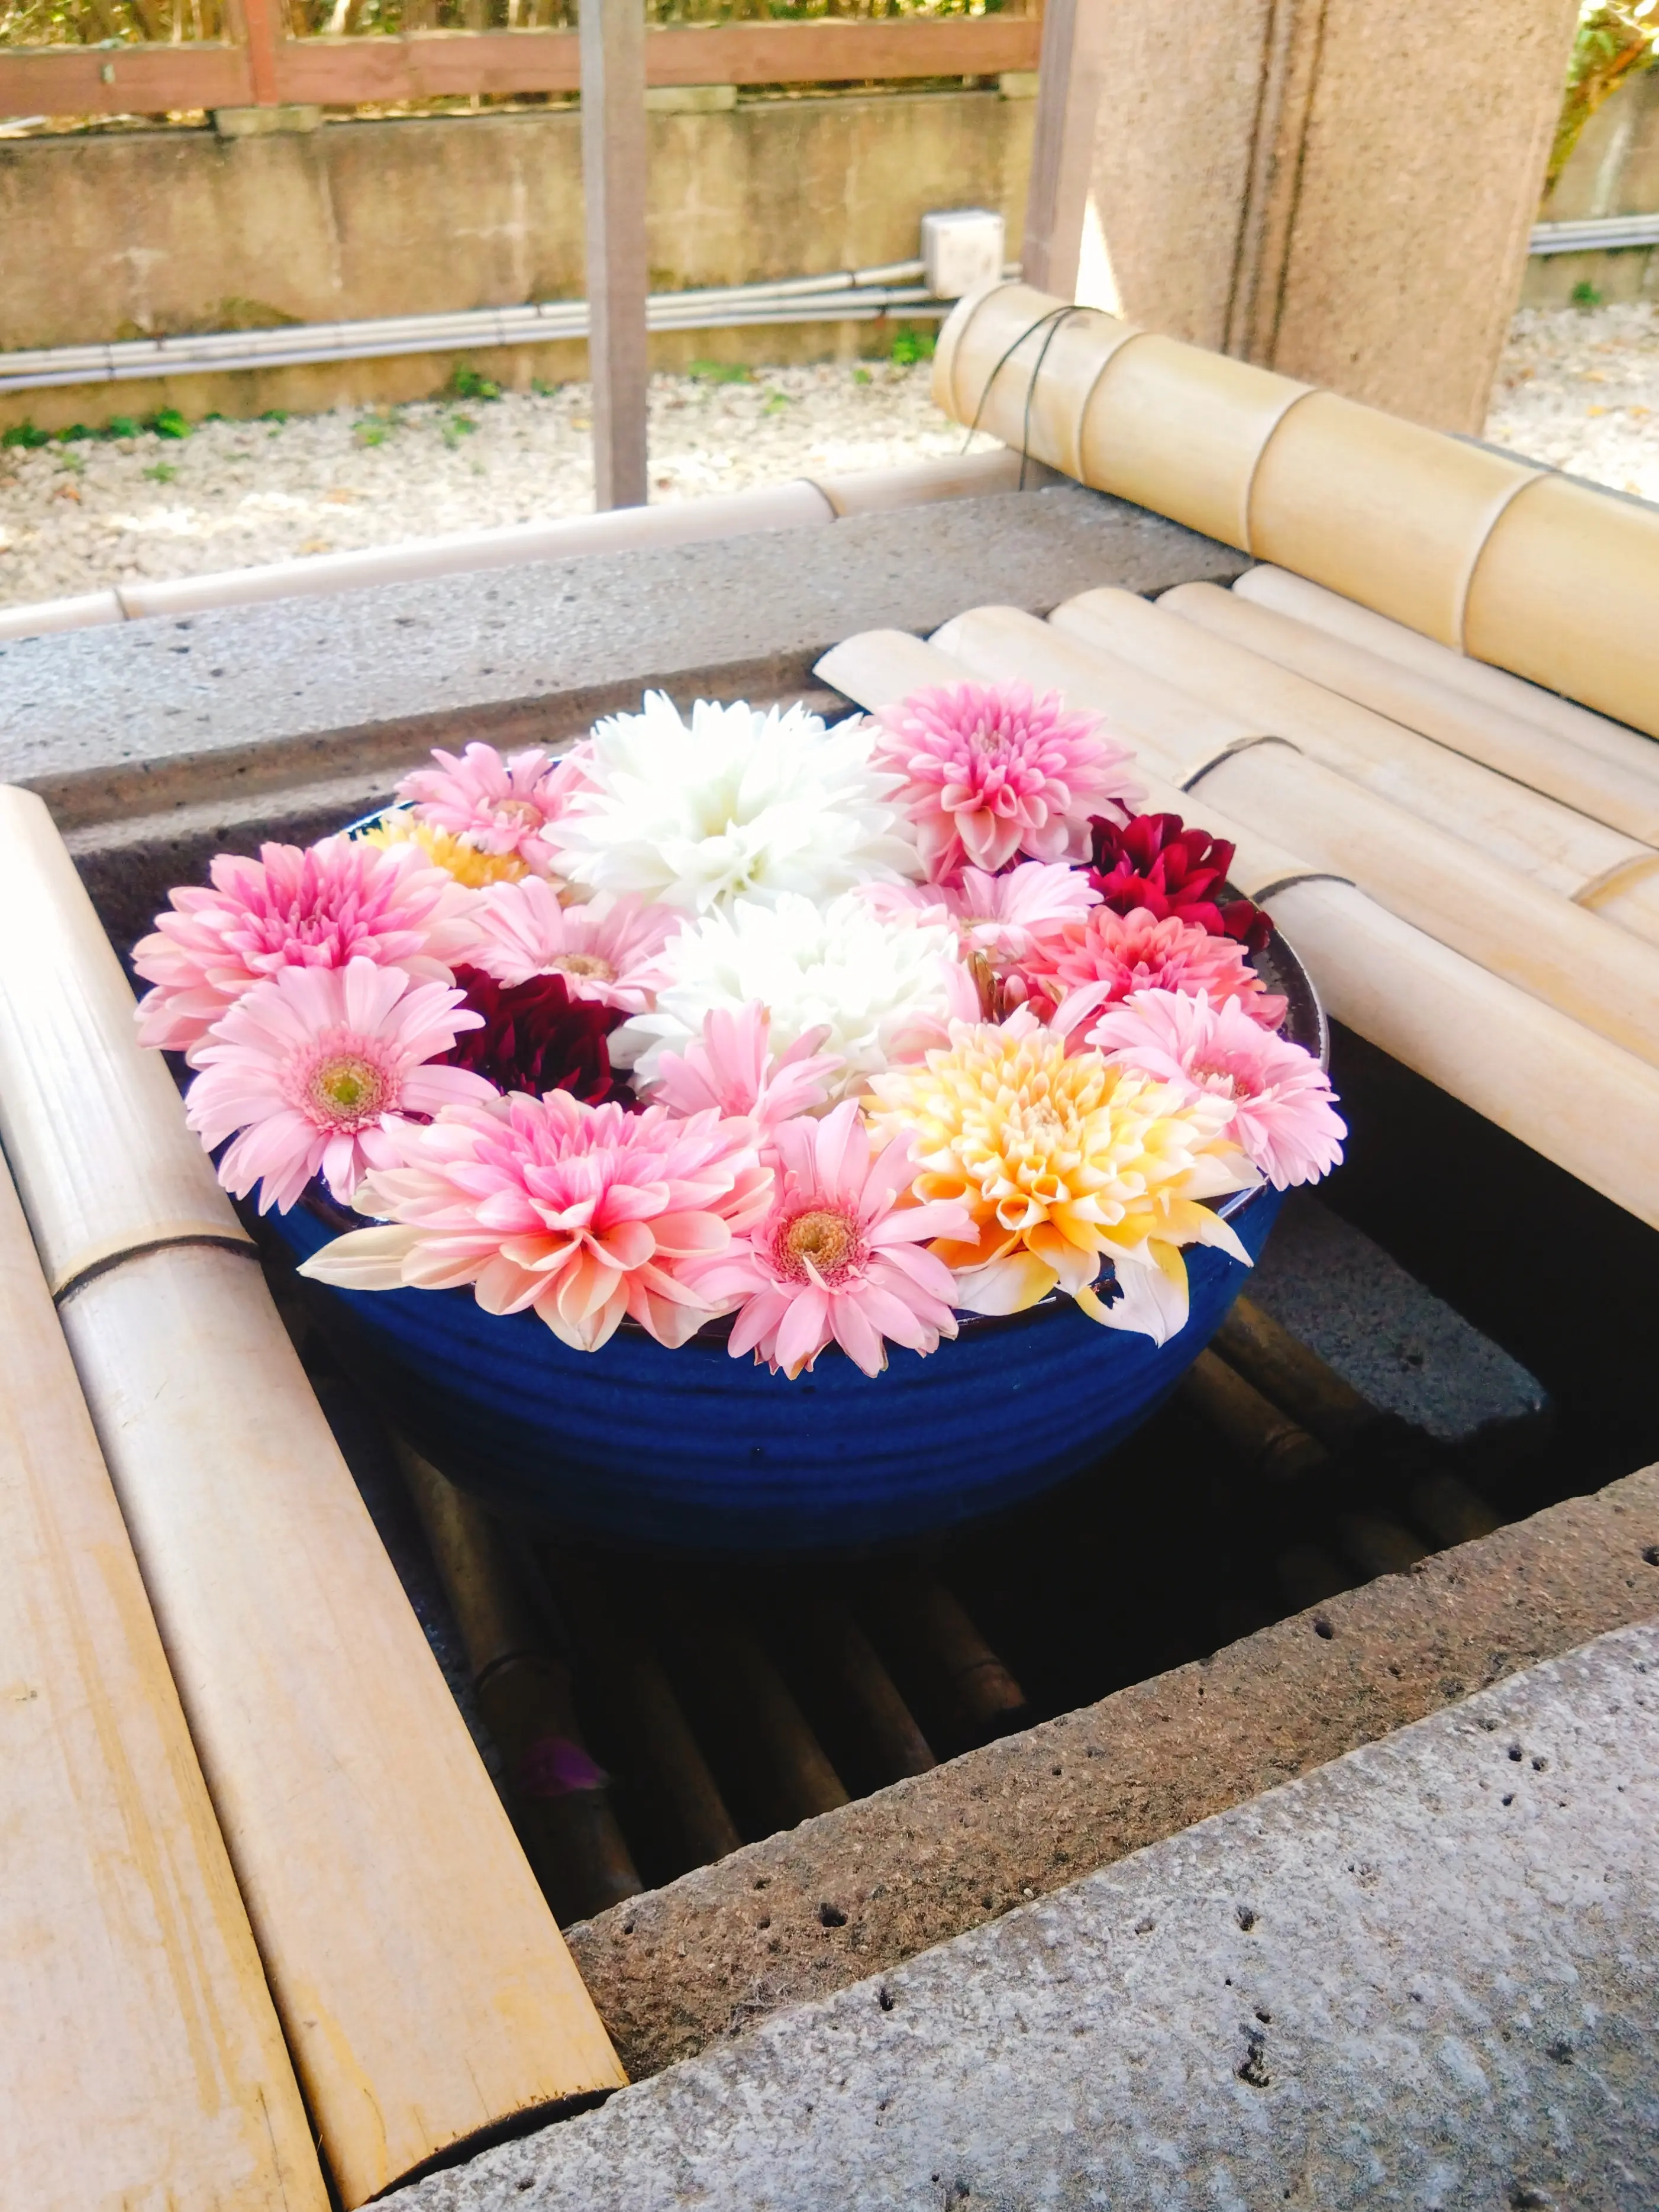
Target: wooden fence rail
[263, 67]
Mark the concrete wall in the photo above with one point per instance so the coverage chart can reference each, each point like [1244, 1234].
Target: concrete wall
[1343, 190]
[1613, 170]
[136, 233]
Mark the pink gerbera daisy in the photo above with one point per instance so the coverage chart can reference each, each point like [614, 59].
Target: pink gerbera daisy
[987, 771]
[605, 950]
[498, 805]
[1284, 1110]
[316, 1067]
[838, 1259]
[1104, 959]
[342, 899]
[579, 1214]
[731, 1068]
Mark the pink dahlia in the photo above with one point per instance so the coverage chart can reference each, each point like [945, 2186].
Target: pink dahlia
[605, 950]
[578, 1213]
[342, 899]
[1284, 1110]
[498, 805]
[731, 1068]
[316, 1067]
[987, 771]
[837, 1259]
[1103, 959]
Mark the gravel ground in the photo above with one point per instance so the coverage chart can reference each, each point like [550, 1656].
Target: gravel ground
[1577, 388]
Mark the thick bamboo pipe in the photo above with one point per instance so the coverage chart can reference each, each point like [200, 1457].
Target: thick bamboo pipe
[1558, 848]
[1408, 650]
[1602, 977]
[426, 1992]
[143, 2065]
[1529, 1069]
[1268, 1443]
[1483, 551]
[1624, 797]
[559, 1799]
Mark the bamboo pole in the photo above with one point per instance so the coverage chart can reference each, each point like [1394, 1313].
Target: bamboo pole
[1267, 586]
[1533, 1071]
[1624, 797]
[1552, 580]
[1380, 509]
[560, 1801]
[1294, 1377]
[425, 1992]
[143, 2064]
[959, 1677]
[1558, 848]
[855, 1686]
[1519, 930]
[659, 1752]
[1268, 1442]
[1566, 592]
[764, 1737]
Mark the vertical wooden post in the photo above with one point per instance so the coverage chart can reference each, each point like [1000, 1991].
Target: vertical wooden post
[1068, 98]
[261, 29]
[613, 178]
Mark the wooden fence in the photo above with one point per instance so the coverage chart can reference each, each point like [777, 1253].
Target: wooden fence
[260, 65]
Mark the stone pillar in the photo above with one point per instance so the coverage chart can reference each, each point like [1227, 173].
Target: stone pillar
[1335, 189]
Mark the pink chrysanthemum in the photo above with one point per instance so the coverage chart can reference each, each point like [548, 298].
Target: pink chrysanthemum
[1284, 1110]
[837, 1259]
[316, 1067]
[732, 1068]
[1103, 959]
[499, 805]
[579, 1214]
[340, 901]
[987, 771]
[605, 950]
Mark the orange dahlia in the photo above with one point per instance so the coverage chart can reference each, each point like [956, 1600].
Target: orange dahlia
[1064, 1164]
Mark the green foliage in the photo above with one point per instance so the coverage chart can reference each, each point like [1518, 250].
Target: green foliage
[1616, 38]
[862, 376]
[1584, 293]
[161, 471]
[121, 426]
[74, 435]
[278, 415]
[541, 389]
[25, 434]
[720, 372]
[776, 402]
[910, 346]
[467, 384]
[455, 427]
[167, 423]
[375, 430]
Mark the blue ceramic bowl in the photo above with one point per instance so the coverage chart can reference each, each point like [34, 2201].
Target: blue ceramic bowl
[693, 1450]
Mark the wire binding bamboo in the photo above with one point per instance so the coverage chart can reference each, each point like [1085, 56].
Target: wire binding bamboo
[425, 1990]
[1478, 680]
[1382, 510]
[144, 2064]
[1526, 1067]
[1552, 580]
[1625, 796]
[1566, 592]
[1554, 846]
[82, 1091]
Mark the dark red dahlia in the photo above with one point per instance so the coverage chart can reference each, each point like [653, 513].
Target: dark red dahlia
[537, 1037]
[1152, 861]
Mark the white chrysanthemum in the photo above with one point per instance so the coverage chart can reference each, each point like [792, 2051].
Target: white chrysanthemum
[740, 805]
[882, 985]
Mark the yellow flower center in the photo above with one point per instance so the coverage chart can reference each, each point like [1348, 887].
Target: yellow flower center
[523, 813]
[588, 966]
[819, 1243]
[347, 1089]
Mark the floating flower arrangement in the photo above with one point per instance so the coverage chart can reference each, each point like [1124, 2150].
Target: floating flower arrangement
[841, 1032]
